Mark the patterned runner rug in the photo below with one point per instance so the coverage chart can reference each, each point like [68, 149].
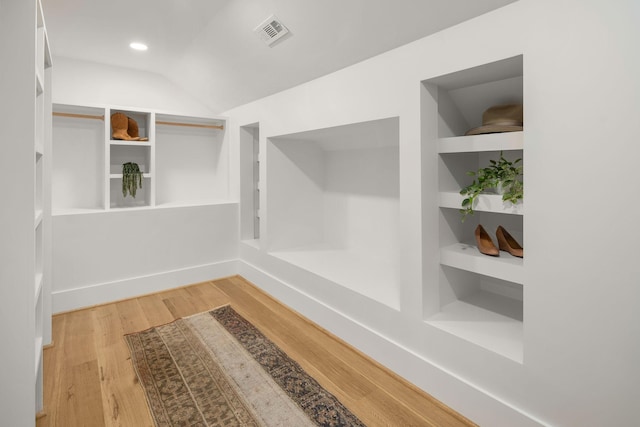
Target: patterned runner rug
[217, 369]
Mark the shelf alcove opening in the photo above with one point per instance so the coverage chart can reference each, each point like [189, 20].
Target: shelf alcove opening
[191, 162]
[142, 199]
[475, 297]
[142, 119]
[78, 160]
[480, 309]
[453, 229]
[463, 96]
[334, 205]
[121, 154]
[453, 168]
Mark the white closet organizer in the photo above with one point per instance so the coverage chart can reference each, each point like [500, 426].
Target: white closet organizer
[184, 161]
[334, 197]
[479, 298]
[42, 144]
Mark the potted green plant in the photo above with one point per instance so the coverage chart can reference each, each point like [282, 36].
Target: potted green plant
[131, 179]
[501, 176]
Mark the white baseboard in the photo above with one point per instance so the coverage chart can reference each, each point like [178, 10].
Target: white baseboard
[464, 397]
[71, 299]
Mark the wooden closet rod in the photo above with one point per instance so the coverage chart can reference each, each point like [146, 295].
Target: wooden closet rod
[89, 116]
[78, 116]
[194, 125]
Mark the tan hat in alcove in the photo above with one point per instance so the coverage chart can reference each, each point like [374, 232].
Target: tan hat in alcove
[500, 118]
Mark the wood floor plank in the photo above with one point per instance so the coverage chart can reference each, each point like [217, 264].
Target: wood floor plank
[155, 310]
[79, 336]
[53, 358]
[132, 316]
[122, 402]
[208, 295]
[80, 403]
[90, 381]
[179, 303]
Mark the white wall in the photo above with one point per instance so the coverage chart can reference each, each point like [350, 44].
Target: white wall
[89, 83]
[107, 256]
[581, 293]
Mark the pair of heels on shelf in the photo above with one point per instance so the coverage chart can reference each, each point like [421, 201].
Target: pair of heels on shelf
[505, 242]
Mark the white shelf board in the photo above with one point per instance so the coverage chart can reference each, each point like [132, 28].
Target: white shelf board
[76, 211]
[486, 142]
[39, 84]
[38, 286]
[194, 203]
[168, 205]
[130, 143]
[38, 218]
[467, 257]
[119, 175]
[39, 341]
[39, 148]
[47, 52]
[483, 203]
[130, 208]
[373, 278]
[489, 329]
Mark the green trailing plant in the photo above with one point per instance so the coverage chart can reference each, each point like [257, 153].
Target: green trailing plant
[502, 174]
[131, 179]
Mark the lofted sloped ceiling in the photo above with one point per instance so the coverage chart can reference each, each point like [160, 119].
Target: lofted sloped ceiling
[208, 48]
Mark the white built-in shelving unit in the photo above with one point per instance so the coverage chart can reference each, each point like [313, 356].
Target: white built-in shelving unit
[184, 161]
[25, 216]
[479, 298]
[333, 205]
[118, 152]
[42, 202]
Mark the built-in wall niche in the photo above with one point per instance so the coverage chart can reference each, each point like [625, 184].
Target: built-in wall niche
[120, 150]
[143, 122]
[118, 200]
[463, 96]
[120, 154]
[78, 159]
[250, 182]
[477, 297]
[481, 309]
[334, 205]
[453, 175]
[192, 160]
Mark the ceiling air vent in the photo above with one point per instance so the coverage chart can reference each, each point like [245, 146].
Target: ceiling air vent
[270, 30]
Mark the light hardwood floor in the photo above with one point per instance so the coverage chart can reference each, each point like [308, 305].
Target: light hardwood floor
[89, 380]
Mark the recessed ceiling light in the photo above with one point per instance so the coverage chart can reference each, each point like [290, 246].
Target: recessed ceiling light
[138, 46]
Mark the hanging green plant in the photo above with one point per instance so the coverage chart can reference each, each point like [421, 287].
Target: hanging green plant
[504, 175]
[131, 179]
